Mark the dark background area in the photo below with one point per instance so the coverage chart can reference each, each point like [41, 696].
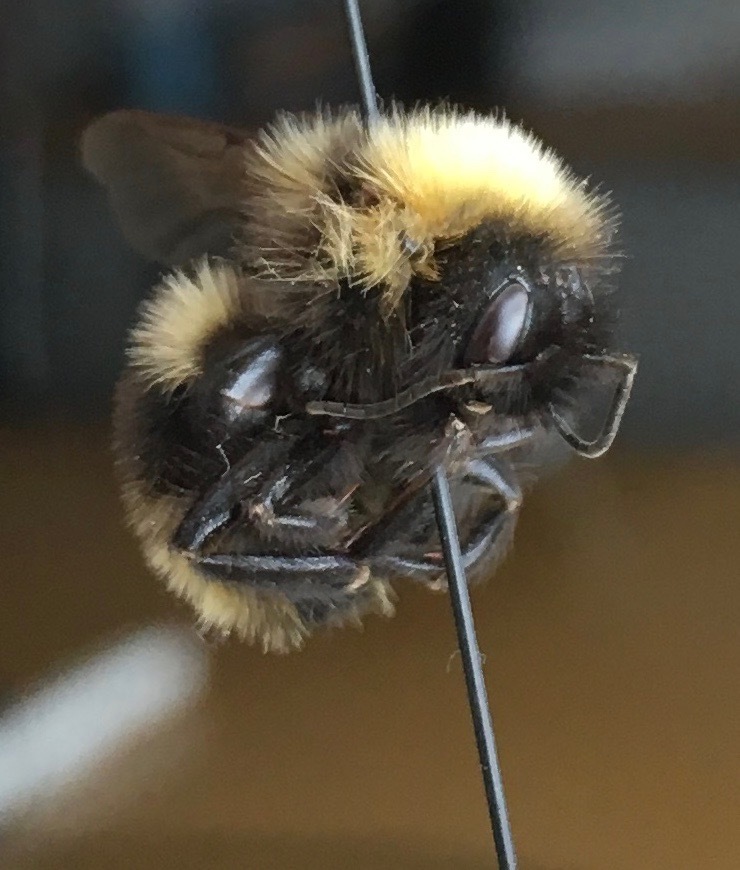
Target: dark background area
[610, 632]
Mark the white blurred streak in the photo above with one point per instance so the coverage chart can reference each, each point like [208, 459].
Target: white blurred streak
[71, 724]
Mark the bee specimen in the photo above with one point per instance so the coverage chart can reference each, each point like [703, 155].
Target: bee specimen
[348, 306]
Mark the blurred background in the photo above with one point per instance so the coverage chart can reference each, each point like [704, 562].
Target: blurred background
[611, 633]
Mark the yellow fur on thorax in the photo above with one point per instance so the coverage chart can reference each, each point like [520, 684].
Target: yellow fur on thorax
[451, 171]
[433, 175]
[436, 174]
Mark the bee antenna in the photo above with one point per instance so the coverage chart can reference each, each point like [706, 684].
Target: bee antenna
[459, 594]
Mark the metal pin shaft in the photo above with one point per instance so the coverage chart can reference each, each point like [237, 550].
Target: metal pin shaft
[471, 661]
[461, 607]
[362, 60]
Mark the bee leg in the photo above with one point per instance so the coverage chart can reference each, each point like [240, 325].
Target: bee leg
[313, 582]
[220, 506]
[496, 476]
[490, 535]
[489, 545]
[319, 587]
[257, 493]
[501, 442]
[288, 574]
[430, 568]
[285, 512]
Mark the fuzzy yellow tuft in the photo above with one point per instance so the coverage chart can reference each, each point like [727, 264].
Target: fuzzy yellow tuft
[452, 170]
[166, 345]
[433, 175]
[295, 155]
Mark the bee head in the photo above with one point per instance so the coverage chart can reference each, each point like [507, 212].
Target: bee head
[514, 303]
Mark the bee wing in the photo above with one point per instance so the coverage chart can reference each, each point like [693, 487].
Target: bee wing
[175, 184]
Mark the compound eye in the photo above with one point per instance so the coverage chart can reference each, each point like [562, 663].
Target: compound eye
[497, 335]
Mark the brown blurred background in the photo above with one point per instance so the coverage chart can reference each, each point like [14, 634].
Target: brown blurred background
[611, 633]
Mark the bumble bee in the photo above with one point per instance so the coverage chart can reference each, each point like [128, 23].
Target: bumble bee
[349, 305]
